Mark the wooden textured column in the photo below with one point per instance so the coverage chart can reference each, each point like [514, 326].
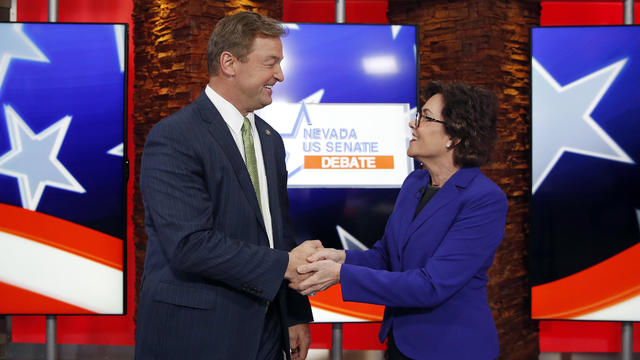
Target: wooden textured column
[170, 39]
[5, 10]
[486, 43]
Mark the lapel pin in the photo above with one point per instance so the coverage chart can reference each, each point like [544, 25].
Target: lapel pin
[268, 132]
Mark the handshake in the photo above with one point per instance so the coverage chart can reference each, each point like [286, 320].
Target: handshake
[313, 268]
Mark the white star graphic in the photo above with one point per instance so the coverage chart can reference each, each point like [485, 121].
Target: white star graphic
[563, 122]
[291, 26]
[395, 29]
[33, 159]
[16, 45]
[117, 150]
[118, 31]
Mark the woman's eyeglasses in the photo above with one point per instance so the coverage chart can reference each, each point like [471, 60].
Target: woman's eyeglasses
[427, 119]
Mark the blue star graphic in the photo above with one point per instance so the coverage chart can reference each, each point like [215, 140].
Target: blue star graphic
[33, 159]
[16, 45]
[564, 122]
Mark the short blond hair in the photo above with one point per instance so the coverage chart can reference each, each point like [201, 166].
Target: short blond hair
[236, 34]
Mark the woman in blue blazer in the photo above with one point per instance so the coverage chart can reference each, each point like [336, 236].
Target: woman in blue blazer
[430, 267]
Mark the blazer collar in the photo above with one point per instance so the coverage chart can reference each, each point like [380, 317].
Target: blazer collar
[220, 132]
[451, 189]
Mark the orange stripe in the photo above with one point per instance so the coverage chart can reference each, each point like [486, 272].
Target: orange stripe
[348, 162]
[15, 300]
[62, 234]
[331, 300]
[598, 287]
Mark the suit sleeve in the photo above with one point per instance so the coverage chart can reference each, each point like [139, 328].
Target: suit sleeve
[179, 208]
[468, 247]
[298, 306]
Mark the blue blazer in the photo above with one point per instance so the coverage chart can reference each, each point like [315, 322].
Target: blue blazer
[431, 272]
[209, 271]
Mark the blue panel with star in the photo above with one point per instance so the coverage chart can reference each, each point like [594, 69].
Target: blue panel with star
[585, 147]
[346, 63]
[352, 63]
[62, 108]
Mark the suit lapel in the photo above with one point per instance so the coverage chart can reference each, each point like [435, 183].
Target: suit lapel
[271, 170]
[220, 132]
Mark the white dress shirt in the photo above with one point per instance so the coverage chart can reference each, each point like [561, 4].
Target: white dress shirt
[234, 120]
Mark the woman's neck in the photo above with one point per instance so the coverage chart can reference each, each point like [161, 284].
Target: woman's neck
[440, 173]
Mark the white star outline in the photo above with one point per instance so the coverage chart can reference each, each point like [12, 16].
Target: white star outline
[348, 241]
[23, 48]
[314, 98]
[17, 129]
[296, 158]
[619, 154]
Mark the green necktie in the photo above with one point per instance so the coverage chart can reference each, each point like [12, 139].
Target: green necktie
[250, 157]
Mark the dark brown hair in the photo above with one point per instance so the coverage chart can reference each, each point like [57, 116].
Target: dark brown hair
[470, 114]
[236, 34]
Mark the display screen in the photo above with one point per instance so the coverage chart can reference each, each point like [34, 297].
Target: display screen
[62, 204]
[585, 211]
[343, 112]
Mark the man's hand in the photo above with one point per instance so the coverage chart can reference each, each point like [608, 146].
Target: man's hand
[298, 256]
[334, 255]
[300, 340]
[323, 274]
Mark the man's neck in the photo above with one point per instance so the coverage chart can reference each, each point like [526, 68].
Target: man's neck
[220, 86]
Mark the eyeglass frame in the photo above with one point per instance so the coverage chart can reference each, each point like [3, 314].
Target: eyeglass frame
[428, 118]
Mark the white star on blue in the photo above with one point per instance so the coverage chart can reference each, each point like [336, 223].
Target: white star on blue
[16, 45]
[564, 122]
[33, 159]
[117, 150]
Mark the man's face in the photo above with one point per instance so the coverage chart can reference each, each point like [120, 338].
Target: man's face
[261, 70]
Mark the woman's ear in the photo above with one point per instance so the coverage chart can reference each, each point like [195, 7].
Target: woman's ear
[453, 143]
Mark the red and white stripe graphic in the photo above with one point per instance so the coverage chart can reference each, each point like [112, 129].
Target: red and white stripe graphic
[52, 266]
[609, 291]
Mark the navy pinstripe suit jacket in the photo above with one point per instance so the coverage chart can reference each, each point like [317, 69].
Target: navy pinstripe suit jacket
[209, 272]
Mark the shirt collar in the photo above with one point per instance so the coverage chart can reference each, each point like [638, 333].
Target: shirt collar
[230, 114]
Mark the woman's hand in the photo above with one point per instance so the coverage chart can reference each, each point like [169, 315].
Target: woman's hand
[337, 256]
[324, 274]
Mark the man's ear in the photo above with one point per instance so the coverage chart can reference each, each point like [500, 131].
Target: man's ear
[227, 62]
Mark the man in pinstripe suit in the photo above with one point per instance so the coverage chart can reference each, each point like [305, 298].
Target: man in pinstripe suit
[220, 243]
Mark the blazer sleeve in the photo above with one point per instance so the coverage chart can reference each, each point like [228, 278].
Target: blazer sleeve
[468, 246]
[375, 258]
[179, 209]
[378, 256]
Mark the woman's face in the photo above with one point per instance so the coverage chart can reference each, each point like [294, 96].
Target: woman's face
[429, 140]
